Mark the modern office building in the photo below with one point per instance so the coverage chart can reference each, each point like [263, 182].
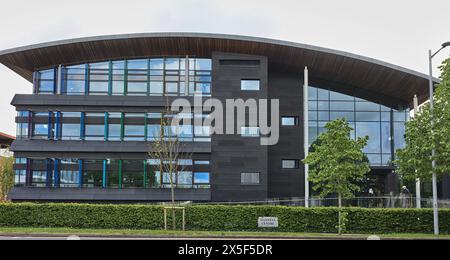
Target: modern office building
[83, 134]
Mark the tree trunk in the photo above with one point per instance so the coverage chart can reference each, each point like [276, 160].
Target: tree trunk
[174, 222]
[339, 216]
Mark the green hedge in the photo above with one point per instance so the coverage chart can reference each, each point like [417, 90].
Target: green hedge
[220, 218]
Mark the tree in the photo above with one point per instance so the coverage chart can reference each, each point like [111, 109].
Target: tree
[169, 149]
[415, 160]
[363, 184]
[337, 162]
[6, 176]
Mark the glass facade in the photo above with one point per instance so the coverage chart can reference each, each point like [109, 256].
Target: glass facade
[171, 76]
[384, 126]
[110, 173]
[106, 126]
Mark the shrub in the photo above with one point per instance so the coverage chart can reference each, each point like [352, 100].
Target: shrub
[221, 218]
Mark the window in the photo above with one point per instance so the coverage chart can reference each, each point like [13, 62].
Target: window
[133, 174]
[172, 64]
[373, 131]
[70, 126]
[114, 127]
[69, 173]
[153, 132]
[137, 77]
[20, 178]
[203, 64]
[39, 172]
[70, 131]
[114, 169]
[40, 131]
[157, 64]
[92, 173]
[22, 131]
[250, 85]
[39, 178]
[289, 121]
[95, 127]
[203, 88]
[137, 88]
[75, 80]
[202, 180]
[184, 179]
[202, 134]
[134, 127]
[185, 133]
[250, 178]
[166, 183]
[20, 172]
[290, 164]
[202, 162]
[156, 88]
[172, 88]
[250, 131]
[154, 173]
[95, 132]
[99, 78]
[118, 78]
[46, 82]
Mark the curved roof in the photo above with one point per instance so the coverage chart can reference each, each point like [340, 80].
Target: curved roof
[372, 79]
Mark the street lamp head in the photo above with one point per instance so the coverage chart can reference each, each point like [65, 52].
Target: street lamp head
[446, 44]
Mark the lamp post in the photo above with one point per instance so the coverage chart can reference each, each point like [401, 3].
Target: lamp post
[433, 152]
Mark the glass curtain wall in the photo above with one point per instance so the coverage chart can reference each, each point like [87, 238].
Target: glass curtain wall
[171, 76]
[110, 173]
[109, 126]
[366, 118]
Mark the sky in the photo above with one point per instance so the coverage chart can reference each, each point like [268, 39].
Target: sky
[398, 32]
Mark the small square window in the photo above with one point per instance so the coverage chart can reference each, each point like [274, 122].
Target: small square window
[289, 121]
[250, 131]
[250, 85]
[290, 164]
[250, 178]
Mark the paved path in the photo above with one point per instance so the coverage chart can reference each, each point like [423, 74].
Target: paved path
[87, 237]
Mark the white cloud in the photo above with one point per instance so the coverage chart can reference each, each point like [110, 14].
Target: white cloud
[398, 31]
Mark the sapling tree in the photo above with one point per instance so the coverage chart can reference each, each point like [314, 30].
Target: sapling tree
[337, 162]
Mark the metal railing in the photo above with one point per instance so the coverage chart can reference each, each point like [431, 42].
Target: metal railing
[362, 202]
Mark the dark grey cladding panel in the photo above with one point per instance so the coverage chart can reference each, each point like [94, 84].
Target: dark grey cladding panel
[96, 146]
[113, 195]
[287, 183]
[232, 154]
[109, 155]
[102, 103]
[445, 185]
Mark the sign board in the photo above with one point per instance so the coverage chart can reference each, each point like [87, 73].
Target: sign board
[267, 222]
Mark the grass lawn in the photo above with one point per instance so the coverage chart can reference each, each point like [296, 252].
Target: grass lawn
[193, 234]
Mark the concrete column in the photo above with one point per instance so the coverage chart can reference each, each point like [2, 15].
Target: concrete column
[306, 132]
